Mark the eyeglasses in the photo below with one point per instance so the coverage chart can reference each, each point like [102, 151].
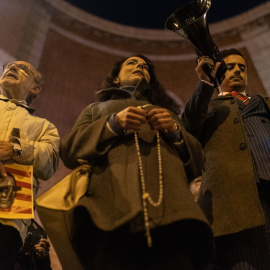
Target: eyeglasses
[23, 68]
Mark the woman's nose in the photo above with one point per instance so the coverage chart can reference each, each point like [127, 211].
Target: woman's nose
[140, 65]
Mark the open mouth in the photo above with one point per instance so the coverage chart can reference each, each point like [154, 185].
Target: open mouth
[10, 74]
[138, 73]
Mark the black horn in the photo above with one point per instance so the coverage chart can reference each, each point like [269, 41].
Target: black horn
[189, 21]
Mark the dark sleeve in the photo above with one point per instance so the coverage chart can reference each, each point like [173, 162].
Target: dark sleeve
[89, 139]
[195, 112]
[189, 151]
[191, 154]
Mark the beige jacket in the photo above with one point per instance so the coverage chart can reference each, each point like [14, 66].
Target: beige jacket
[39, 141]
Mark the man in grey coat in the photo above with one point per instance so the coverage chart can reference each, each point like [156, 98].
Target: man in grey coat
[234, 130]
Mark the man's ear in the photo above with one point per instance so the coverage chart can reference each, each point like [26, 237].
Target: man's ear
[36, 89]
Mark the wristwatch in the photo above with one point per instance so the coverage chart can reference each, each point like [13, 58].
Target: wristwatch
[17, 150]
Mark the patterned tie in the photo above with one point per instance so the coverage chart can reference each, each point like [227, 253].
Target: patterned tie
[243, 98]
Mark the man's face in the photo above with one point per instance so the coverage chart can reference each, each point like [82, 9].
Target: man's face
[132, 71]
[236, 74]
[17, 80]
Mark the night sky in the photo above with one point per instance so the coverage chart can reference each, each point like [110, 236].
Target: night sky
[152, 14]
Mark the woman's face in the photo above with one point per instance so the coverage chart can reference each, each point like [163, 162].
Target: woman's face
[132, 71]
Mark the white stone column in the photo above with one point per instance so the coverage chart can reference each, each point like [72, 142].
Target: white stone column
[5, 58]
[35, 32]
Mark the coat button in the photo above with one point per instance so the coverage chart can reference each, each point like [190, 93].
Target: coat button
[236, 120]
[243, 146]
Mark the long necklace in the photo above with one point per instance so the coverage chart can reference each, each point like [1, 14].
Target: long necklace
[145, 195]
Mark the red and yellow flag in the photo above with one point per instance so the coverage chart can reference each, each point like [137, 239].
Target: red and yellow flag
[16, 192]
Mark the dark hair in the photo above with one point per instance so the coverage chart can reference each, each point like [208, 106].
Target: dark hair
[158, 93]
[231, 51]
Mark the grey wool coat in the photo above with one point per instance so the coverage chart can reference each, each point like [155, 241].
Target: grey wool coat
[115, 196]
[228, 192]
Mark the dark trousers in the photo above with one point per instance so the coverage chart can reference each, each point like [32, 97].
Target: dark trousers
[10, 244]
[249, 249]
[176, 246]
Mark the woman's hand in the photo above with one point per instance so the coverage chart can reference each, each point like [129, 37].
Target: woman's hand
[131, 118]
[195, 186]
[160, 118]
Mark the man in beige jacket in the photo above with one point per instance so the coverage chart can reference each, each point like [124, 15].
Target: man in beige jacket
[24, 139]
